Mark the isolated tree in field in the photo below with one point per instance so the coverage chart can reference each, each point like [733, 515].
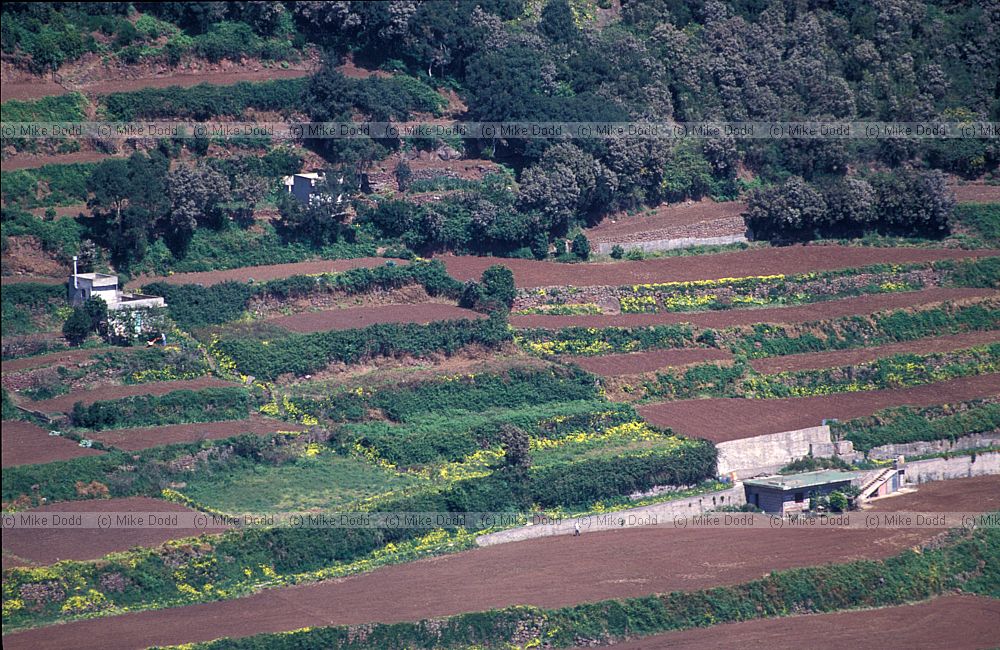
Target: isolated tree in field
[516, 447]
[97, 310]
[77, 327]
[791, 210]
[580, 246]
[914, 202]
[195, 193]
[498, 283]
[850, 205]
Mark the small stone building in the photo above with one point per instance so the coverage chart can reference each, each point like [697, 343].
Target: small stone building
[82, 286]
[793, 492]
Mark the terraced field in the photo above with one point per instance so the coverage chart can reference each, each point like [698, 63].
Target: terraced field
[26, 444]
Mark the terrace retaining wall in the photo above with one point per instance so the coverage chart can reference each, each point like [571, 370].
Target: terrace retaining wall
[655, 514]
[921, 448]
[942, 469]
[771, 452]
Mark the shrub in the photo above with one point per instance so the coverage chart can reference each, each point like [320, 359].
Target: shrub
[617, 252]
[177, 407]
[581, 247]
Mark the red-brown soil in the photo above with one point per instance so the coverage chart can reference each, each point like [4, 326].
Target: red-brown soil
[63, 211]
[61, 358]
[734, 317]
[262, 273]
[663, 221]
[217, 78]
[32, 161]
[957, 621]
[43, 546]
[26, 444]
[352, 318]
[22, 279]
[723, 419]
[837, 358]
[146, 437]
[64, 403]
[756, 261]
[28, 90]
[636, 363]
[977, 193]
[546, 572]
[25, 256]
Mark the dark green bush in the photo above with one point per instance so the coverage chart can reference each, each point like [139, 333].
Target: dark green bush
[206, 405]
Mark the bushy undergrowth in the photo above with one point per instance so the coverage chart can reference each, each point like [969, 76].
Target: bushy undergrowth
[909, 424]
[63, 185]
[24, 304]
[206, 405]
[594, 341]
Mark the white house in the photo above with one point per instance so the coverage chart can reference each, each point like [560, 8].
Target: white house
[303, 186]
[83, 286]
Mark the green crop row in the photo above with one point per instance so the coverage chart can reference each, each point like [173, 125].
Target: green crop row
[594, 341]
[964, 562]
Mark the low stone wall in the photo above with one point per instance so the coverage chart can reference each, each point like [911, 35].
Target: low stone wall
[642, 516]
[651, 246]
[942, 469]
[768, 453]
[975, 441]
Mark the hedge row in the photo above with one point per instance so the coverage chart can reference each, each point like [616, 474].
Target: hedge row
[193, 305]
[908, 424]
[607, 340]
[968, 563]
[302, 354]
[206, 405]
[205, 101]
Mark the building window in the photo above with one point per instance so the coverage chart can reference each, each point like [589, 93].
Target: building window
[800, 497]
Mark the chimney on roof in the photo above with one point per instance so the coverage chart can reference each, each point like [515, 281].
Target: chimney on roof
[76, 281]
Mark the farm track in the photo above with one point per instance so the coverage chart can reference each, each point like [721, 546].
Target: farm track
[64, 403]
[146, 437]
[953, 621]
[545, 572]
[724, 419]
[263, 273]
[816, 311]
[786, 260]
[837, 358]
[43, 546]
[357, 317]
[24, 443]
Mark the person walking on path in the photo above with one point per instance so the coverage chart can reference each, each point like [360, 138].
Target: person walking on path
[576, 529]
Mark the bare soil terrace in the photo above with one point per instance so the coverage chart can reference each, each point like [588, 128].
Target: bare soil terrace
[64, 403]
[756, 261]
[668, 221]
[146, 437]
[263, 273]
[545, 572]
[955, 621]
[724, 419]
[24, 443]
[869, 304]
[353, 318]
[636, 363]
[43, 546]
[61, 358]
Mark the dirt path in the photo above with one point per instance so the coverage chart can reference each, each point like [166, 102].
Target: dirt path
[956, 622]
[64, 403]
[146, 437]
[44, 546]
[263, 273]
[33, 161]
[758, 261]
[545, 572]
[734, 317]
[724, 419]
[24, 443]
[837, 358]
[356, 317]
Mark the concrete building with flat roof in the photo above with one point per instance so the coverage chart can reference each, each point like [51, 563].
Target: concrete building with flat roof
[793, 492]
[83, 286]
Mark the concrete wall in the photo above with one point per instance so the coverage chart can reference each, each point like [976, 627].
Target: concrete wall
[975, 441]
[669, 244]
[769, 453]
[941, 469]
[642, 516]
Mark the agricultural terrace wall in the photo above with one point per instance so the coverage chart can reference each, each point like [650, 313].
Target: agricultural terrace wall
[641, 516]
[943, 469]
[652, 246]
[921, 448]
[769, 453]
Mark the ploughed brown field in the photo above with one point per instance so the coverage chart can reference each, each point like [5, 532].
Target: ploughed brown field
[33, 161]
[264, 273]
[977, 193]
[545, 572]
[635, 363]
[24, 443]
[723, 419]
[61, 358]
[958, 622]
[757, 261]
[735, 317]
[146, 437]
[64, 403]
[664, 219]
[837, 358]
[355, 317]
[43, 546]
